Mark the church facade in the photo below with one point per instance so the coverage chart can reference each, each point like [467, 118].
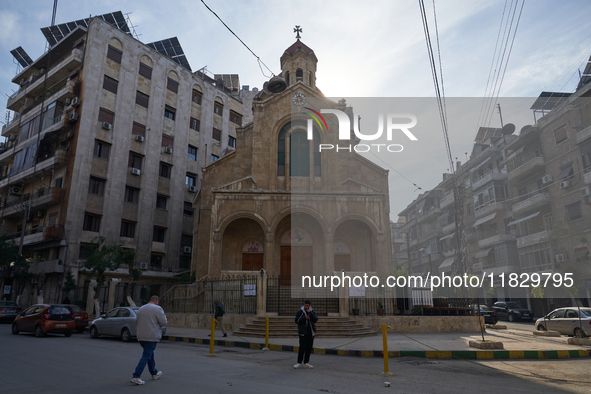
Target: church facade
[278, 203]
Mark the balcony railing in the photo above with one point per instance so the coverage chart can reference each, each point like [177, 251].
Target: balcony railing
[524, 169]
[429, 213]
[495, 239]
[530, 201]
[488, 177]
[37, 235]
[447, 200]
[588, 177]
[584, 134]
[532, 239]
[484, 210]
[58, 157]
[448, 227]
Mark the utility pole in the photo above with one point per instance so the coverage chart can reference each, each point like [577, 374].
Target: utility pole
[408, 273]
[500, 114]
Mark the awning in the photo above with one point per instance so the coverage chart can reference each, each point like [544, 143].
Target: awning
[485, 219]
[482, 253]
[566, 172]
[447, 237]
[447, 263]
[523, 219]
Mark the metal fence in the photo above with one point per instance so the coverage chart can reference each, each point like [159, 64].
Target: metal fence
[381, 301]
[239, 295]
[280, 301]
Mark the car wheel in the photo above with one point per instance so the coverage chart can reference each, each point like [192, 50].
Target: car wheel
[125, 335]
[94, 332]
[68, 334]
[39, 332]
[541, 327]
[14, 329]
[511, 317]
[579, 333]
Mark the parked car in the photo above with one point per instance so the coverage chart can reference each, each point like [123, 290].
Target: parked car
[9, 310]
[512, 311]
[43, 319]
[79, 315]
[566, 322]
[490, 316]
[118, 322]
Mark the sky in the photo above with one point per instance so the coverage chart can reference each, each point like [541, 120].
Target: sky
[369, 49]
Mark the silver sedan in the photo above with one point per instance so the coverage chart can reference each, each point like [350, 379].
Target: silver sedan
[566, 321]
[118, 322]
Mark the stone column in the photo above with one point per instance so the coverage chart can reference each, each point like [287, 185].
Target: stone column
[268, 263]
[112, 292]
[215, 256]
[90, 297]
[262, 294]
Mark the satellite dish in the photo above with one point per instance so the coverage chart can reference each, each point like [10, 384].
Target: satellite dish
[508, 129]
[276, 85]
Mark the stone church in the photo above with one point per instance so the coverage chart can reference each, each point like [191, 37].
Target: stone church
[277, 203]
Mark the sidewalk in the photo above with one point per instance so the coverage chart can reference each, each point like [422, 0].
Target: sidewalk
[518, 344]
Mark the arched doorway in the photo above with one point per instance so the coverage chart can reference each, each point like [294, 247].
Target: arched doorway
[342, 257]
[296, 256]
[252, 256]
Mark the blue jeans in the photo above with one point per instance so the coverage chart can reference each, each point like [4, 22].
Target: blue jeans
[147, 358]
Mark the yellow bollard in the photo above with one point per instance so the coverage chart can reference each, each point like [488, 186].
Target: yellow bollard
[385, 339]
[266, 334]
[211, 338]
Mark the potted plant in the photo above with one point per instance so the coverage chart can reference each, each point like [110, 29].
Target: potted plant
[380, 308]
[356, 309]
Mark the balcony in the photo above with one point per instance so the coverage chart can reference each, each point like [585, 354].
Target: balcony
[58, 157]
[490, 208]
[430, 213]
[534, 200]
[47, 267]
[37, 235]
[588, 178]
[449, 227]
[495, 239]
[40, 200]
[447, 200]
[584, 134]
[532, 239]
[527, 168]
[489, 177]
[34, 87]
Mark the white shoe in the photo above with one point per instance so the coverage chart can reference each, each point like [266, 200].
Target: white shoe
[308, 366]
[157, 376]
[137, 381]
[297, 365]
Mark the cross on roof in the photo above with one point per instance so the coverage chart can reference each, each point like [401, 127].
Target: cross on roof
[298, 30]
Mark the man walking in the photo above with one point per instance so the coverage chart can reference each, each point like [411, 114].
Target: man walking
[306, 320]
[149, 323]
[219, 316]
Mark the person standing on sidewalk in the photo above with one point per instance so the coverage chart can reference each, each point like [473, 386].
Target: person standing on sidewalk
[306, 320]
[149, 322]
[219, 316]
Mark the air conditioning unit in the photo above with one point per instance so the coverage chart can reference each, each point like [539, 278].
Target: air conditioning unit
[73, 117]
[68, 101]
[16, 191]
[546, 179]
[139, 138]
[168, 150]
[107, 126]
[564, 184]
[559, 258]
[193, 189]
[135, 171]
[585, 192]
[187, 249]
[76, 102]
[40, 214]
[144, 265]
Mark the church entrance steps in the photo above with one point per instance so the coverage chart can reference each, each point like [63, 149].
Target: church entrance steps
[285, 327]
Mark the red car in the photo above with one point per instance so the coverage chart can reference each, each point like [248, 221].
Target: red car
[79, 315]
[43, 319]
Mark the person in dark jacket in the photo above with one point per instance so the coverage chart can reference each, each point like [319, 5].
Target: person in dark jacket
[219, 316]
[306, 320]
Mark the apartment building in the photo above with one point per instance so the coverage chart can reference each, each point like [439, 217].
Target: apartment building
[109, 137]
[526, 205]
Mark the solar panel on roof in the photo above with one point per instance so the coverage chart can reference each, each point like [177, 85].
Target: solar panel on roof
[54, 34]
[171, 47]
[21, 56]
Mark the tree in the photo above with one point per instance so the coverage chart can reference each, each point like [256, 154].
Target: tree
[69, 282]
[101, 258]
[128, 257]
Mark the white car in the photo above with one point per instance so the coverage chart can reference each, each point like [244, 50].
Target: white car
[118, 322]
[566, 321]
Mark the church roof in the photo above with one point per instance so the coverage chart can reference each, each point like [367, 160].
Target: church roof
[299, 45]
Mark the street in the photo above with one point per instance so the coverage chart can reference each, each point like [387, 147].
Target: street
[80, 364]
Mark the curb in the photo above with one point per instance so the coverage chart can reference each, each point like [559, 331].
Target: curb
[438, 354]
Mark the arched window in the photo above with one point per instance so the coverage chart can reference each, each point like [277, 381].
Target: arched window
[303, 148]
[287, 78]
[299, 74]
